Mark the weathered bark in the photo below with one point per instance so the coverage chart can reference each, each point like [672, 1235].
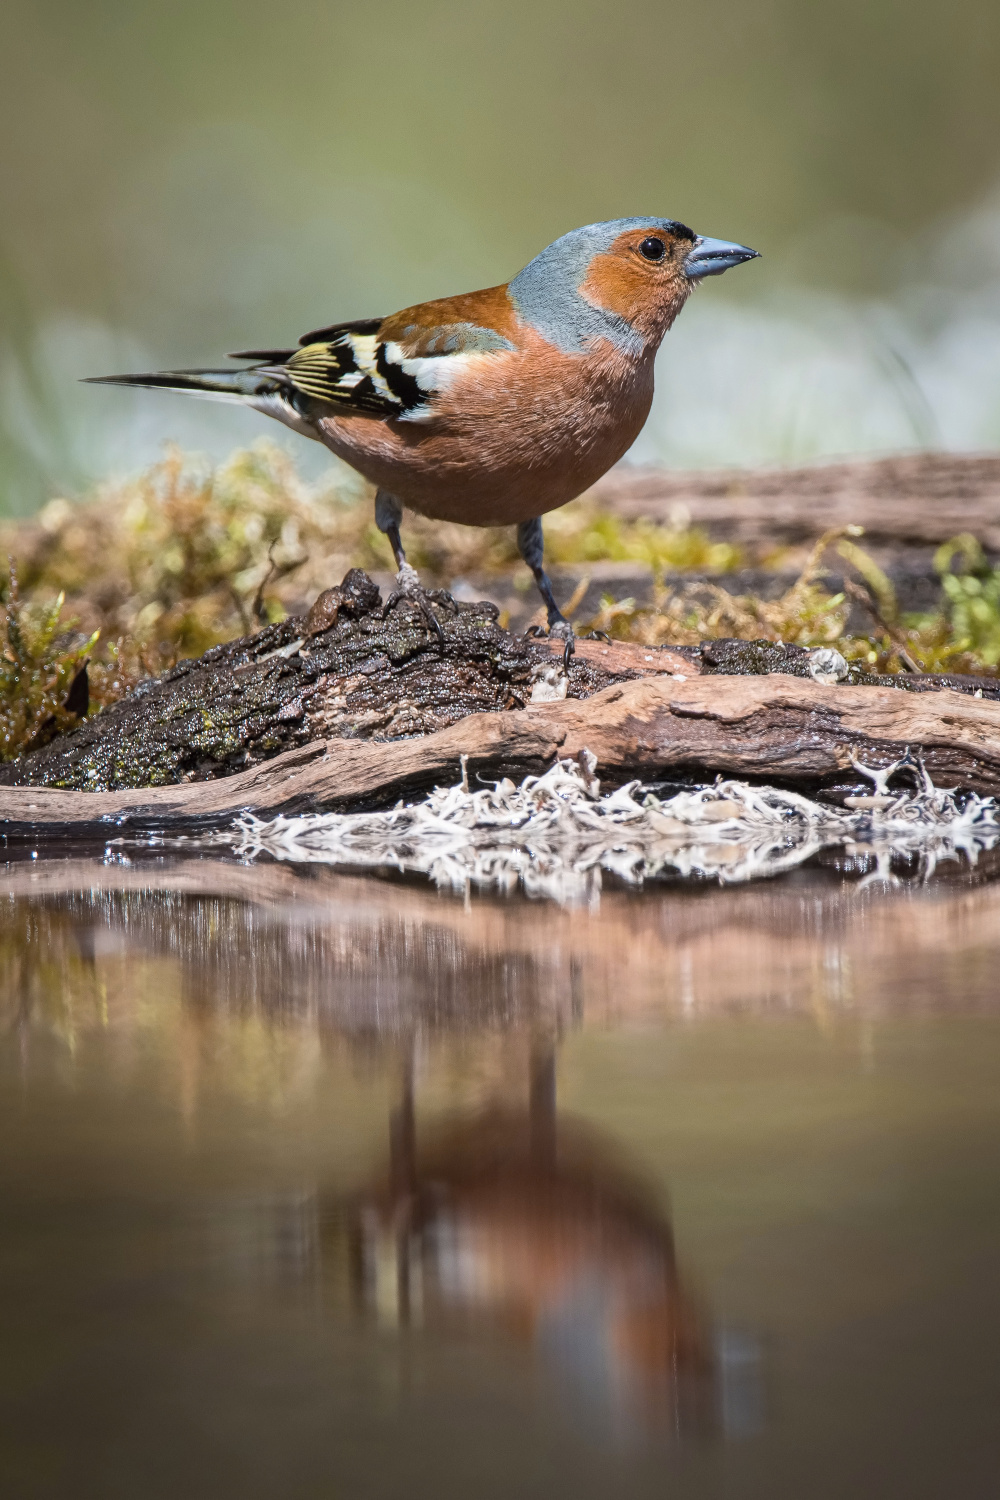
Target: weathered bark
[345, 708]
[777, 727]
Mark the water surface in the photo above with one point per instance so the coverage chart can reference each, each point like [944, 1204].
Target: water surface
[317, 1184]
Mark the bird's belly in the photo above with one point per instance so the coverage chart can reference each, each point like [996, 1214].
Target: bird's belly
[496, 462]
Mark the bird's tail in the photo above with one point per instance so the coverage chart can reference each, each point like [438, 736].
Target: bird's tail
[214, 385]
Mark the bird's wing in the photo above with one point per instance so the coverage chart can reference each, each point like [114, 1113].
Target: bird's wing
[379, 367]
[386, 368]
[348, 370]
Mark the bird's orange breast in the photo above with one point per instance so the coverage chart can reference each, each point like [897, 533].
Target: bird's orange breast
[515, 434]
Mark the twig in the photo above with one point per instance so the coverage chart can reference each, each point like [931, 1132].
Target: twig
[861, 595]
[275, 571]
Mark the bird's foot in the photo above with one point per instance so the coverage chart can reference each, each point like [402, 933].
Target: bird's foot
[562, 630]
[559, 630]
[409, 590]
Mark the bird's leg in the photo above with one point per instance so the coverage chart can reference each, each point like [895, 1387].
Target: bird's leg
[388, 514]
[530, 544]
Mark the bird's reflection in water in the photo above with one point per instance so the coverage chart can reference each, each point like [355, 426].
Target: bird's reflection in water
[524, 1225]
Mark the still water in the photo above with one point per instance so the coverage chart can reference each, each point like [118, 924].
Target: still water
[326, 1185]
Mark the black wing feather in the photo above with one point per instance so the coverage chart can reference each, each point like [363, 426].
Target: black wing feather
[266, 356]
[364, 326]
[336, 373]
[328, 367]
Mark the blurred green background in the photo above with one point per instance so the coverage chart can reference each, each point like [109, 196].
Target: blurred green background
[182, 179]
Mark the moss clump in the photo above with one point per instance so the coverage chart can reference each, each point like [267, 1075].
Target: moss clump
[43, 681]
[973, 594]
[582, 533]
[962, 637]
[683, 615]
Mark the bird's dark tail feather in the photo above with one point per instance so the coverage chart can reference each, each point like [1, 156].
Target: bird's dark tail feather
[224, 385]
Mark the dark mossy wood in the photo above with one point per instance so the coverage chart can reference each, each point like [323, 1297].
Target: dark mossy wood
[347, 670]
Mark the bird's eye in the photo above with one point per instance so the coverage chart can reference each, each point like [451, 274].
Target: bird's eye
[652, 248]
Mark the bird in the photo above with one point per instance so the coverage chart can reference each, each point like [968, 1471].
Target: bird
[489, 408]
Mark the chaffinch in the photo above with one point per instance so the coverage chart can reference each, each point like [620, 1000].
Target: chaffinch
[493, 407]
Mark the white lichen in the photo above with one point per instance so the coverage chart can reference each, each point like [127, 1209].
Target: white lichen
[554, 834]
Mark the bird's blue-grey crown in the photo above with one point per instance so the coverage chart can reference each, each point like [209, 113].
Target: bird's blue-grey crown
[546, 293]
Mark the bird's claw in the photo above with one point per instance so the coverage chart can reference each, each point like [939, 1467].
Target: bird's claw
[432, 619]
[598, 635]
[562, 630]
[442, 597]
[410, 590]
[559, 630]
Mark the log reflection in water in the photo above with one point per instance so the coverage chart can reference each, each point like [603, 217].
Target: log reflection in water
[370, 959]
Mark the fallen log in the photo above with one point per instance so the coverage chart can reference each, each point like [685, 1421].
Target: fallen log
[777, 727]
[351, 707]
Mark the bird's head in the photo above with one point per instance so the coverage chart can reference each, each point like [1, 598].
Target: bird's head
[626, 280]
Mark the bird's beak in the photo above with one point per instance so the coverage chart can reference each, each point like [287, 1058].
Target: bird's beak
[712, 257]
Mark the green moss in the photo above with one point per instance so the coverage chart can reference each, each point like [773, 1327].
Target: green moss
[40, 658]
[582, 533]
[973, 595]
[963, 636]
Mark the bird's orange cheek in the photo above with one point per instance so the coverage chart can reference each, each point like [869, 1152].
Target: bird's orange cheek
[628, 289]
